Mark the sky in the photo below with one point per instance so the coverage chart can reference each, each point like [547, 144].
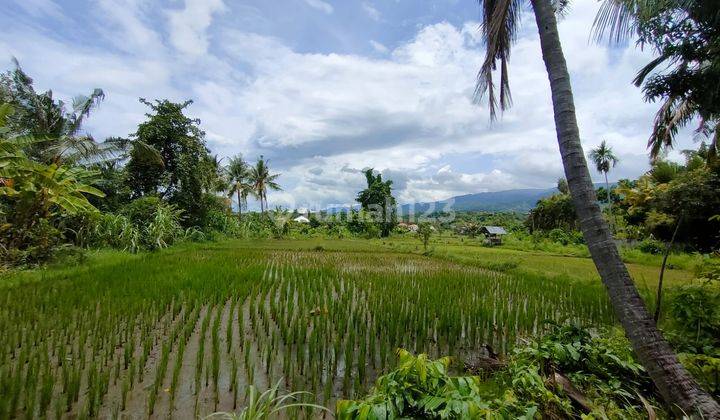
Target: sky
[327, 88]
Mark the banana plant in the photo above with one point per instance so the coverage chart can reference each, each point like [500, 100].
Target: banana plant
[36, 191]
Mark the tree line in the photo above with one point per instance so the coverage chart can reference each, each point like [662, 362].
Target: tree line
[60, 187]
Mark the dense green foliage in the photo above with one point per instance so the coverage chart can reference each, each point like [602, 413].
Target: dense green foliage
[670, 194]
[378, 202]
[554, 212]
[61, 190]
[185, 171]
[34, 196]
[566, 373]
[685, 36]
[421, 388]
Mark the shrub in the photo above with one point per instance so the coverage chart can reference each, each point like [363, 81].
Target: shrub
[536, 381]
[115, 231]
[214, 214]
[420, 388]
[565, 237]
[651, 246]
[705, 369]
[695, 318]
[147, 222]
[372, 231]
[41, 242]
[225, 223]
[601, 367]
[142, 210]
[164, 228]
[280, 223]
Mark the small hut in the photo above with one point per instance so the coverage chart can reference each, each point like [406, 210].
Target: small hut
[493, 234]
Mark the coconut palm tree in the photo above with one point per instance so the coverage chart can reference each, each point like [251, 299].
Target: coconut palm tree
[238, 172]
[35, 190]
[500, 22]
[58, 131]
[684, 36]
[262, 180]
[604, 159]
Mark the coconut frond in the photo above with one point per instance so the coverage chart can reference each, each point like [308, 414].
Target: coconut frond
[82, 106]
[673, 114]
[499, 27]
[615, 21]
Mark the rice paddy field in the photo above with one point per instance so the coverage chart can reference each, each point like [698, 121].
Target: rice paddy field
[182, 333]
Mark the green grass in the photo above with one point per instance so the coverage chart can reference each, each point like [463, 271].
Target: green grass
[138, 333]
[570, 262]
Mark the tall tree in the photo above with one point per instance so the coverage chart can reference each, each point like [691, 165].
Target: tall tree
[58, 132]
[604, 159]
[185, 167]
[377, 199]
[238, 172]
[500, 22]
[683, 77]
[262, 181]
[36, 192]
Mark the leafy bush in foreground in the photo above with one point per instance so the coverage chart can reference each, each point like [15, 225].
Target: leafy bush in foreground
[695, 319]
[146, 223]
[567, 373]
[422, 388]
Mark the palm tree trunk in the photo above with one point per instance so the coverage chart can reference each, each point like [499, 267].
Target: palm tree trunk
[607, 189]
[612, 216]
[239, 205]
[672, 380]
[262, 209]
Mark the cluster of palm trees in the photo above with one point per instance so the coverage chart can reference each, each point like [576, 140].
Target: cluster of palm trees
[248, 180]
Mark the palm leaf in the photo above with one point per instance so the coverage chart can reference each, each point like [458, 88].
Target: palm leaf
[500, 20]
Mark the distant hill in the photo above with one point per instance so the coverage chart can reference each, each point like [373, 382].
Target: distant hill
[522, 200]
[512, 200]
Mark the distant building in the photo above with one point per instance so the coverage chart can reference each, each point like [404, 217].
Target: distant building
[493, 234]
[412, 227]
[301, 219]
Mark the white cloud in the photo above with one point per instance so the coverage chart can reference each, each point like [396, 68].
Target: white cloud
[121, 23]
[188, 27]
[323, 117]
[414, 110]
[320, 5]
[378, 47]
[371, 11]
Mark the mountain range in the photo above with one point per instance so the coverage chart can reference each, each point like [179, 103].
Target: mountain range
[520, 200]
